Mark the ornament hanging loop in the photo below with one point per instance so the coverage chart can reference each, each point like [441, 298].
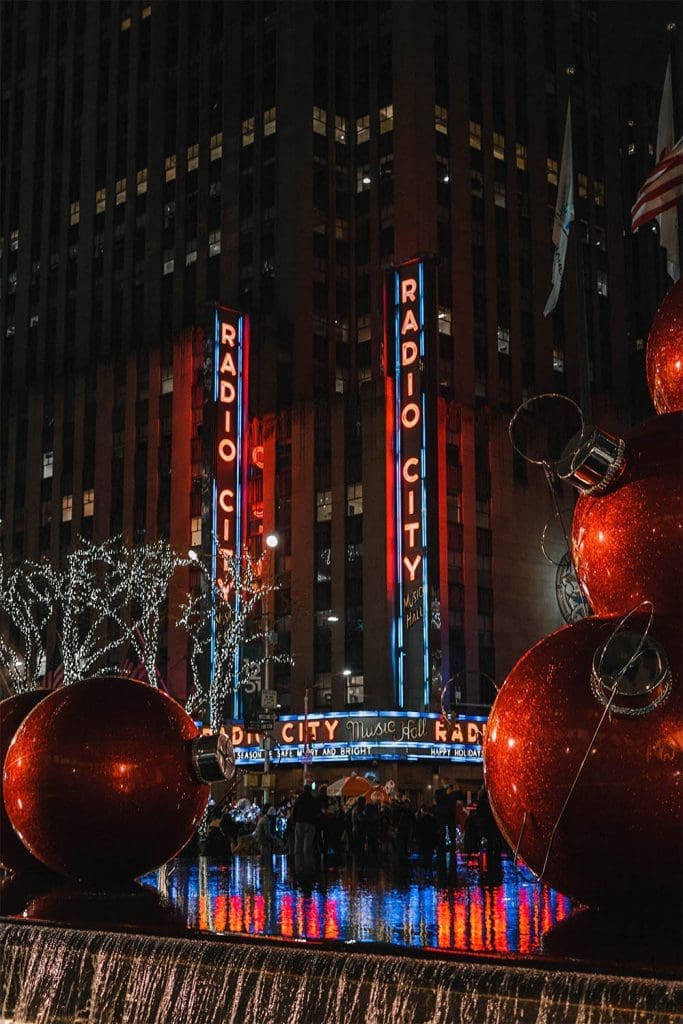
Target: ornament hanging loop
[633, 667]
[543, 428]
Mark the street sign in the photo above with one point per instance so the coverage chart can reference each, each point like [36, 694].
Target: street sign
[306, 757]
[269, 700]
[261, 724]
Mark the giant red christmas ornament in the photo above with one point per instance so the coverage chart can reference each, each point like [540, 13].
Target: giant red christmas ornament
[13, 711]
[107, 779]
[619, 837]
[627, 532]
[664, 353]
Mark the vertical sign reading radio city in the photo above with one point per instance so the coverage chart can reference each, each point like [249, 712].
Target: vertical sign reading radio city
[230, 392]
[407, 286]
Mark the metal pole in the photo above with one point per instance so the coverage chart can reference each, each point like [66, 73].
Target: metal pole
[305, 733]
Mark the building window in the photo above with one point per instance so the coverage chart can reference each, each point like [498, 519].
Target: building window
[169, 261]
[582, 180]
[48, 464]
[551, 166]
[319, 121]
[74, 213]
[214, 242]
[191, 252]
[270, 121]
[362, 128]
[141, 181]
[499, 196]
[602, 282]
[598, 193]
[100, 200]
[192, 157]
[120, 191]
[521, 154]
[364, 328]
[166, 380]
[14, 237]
[354, 499]
[341, 129]
[216, 146]
[355, 690]
[323, 506]
[67, 508]
[503, 334]
[363, 179]
[195, 531]
[146, 12]
[170, 167]
[323, 690]
[558, 360]
[386, 119]
[88, 503]
[247, 131]
[441, 119]
[445, 323]
[125, 24]
[498, 146]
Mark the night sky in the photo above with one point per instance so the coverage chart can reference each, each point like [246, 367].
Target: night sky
[639, 34]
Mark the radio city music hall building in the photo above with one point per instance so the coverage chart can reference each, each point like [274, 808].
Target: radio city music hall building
[281, 266]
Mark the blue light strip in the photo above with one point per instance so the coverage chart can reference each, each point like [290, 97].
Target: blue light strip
[238, 497]
[397, 483]
[324, 753]
[423, 466]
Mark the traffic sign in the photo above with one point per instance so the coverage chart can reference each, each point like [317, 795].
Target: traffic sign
[269, 700]
[260, 724]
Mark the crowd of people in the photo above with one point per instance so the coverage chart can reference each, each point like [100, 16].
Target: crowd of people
[313, 830]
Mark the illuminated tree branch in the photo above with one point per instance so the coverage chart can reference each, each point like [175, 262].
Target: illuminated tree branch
[26, 602]
[232, 602]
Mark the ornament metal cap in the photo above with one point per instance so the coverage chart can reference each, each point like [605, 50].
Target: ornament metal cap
[212, 758]
[592, 460]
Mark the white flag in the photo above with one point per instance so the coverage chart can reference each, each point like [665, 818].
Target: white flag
[564, 214]
[668, 222]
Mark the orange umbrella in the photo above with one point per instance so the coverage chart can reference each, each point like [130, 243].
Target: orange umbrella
[380, 796]
[350, 785]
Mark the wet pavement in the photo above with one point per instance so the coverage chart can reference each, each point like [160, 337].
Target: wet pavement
[445, 907]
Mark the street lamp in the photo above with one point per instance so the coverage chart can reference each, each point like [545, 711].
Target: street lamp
[271, 540]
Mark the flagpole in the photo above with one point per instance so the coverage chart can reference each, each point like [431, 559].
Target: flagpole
[585, 399]
[672, 29]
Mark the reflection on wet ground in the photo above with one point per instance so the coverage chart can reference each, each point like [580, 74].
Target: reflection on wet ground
[445, 907]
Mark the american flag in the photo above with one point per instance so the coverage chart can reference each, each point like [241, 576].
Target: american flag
[54, 676]
[135, 669]
[661, 190]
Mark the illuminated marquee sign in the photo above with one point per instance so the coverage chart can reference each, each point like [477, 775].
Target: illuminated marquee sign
[231, 390]
[365, 736]
[407, 290]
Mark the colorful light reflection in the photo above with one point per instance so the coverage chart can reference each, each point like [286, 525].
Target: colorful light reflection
[422, 910]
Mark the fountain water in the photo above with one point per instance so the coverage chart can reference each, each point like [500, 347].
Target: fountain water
[54, 975]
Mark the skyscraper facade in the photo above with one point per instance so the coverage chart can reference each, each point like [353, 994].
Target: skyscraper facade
[302, 163]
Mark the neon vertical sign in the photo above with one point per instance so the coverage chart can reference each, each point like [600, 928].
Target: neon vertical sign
[410, 484]
[230, 395]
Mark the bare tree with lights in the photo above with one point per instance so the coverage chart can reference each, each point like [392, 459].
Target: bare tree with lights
[232, 601]
[142, 575]
[91, 595]
[26, 602]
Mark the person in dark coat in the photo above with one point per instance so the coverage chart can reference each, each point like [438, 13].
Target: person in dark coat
[305, 814]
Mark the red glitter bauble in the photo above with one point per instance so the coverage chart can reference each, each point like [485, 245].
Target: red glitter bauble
[619, 839]
[98, 780]
[664, 353]
[627, 540]
[13, 711]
